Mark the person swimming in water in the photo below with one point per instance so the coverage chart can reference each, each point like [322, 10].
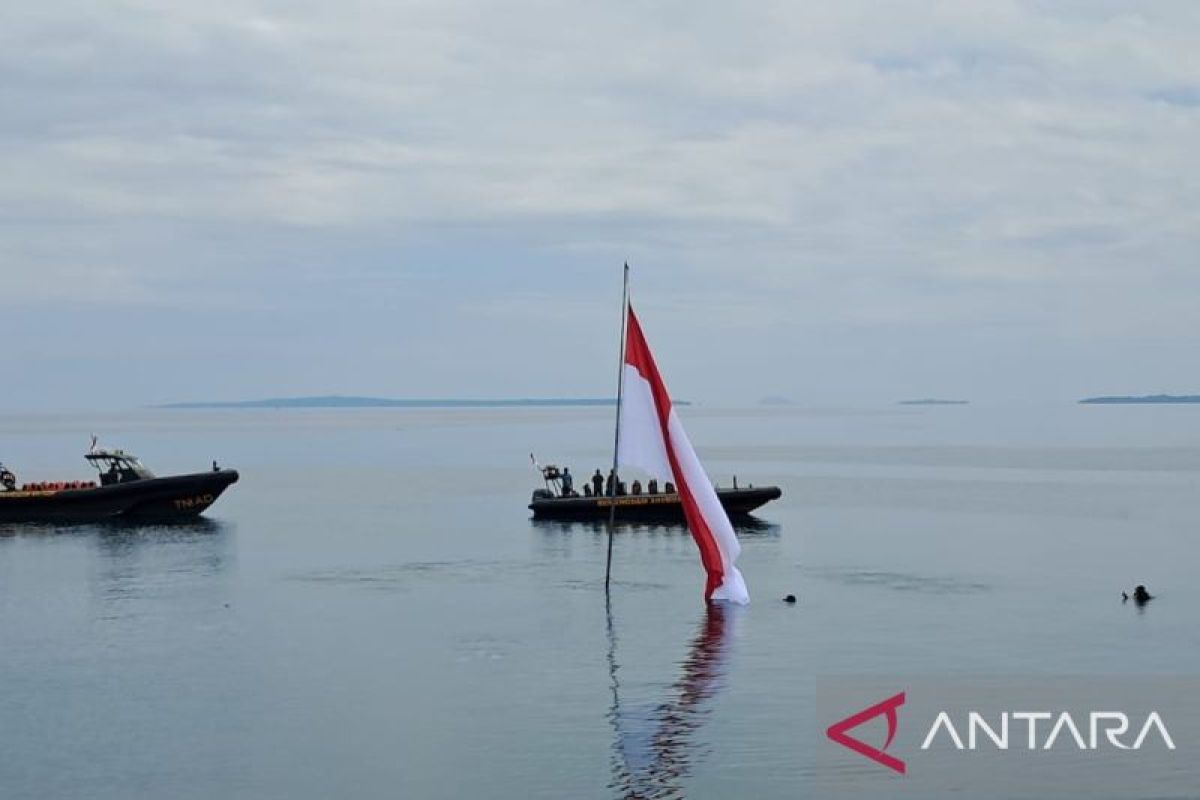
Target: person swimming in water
[1140, 595]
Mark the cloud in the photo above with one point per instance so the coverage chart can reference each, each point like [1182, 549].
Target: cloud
[856, 165]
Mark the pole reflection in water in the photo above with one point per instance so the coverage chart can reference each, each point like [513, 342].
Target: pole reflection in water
[654, 749]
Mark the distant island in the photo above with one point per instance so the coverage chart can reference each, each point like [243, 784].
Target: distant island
[1144, 399]
[341, 401]
[932, 401]
[775, 400]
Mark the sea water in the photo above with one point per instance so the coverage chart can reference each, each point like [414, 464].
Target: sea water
[370, 612]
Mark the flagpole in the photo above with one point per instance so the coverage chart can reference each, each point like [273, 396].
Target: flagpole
[612, 509]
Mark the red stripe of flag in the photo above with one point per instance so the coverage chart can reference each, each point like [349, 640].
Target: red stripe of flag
[638, 356]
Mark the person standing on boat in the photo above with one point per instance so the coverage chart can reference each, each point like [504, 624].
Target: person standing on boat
[597, 484]
[568, 483]
[610, 486]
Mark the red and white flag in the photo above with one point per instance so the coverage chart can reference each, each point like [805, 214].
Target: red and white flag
[652, 439]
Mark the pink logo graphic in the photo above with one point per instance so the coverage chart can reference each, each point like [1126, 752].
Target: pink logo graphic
[837, 732]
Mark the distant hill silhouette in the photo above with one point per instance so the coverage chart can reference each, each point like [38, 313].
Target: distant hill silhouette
[342, 401]
[1143, 399]
[932, 401]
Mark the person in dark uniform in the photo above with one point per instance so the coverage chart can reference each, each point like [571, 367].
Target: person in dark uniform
[652, 486]
[597, 484]
[568, 483]
[610, 485]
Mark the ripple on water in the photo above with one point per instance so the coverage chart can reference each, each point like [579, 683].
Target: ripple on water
[903, 581]
[400, 577]
[590, 585]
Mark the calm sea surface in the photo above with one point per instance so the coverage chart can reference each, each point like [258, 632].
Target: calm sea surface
[371, 613]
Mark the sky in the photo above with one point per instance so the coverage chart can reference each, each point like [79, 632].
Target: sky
[852, 202]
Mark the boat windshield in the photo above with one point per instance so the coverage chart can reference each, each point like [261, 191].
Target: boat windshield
[116, 466]
[8, 480]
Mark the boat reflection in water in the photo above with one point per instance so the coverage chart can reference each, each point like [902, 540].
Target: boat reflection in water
[130, 561]
[654, 750]
[124, 531]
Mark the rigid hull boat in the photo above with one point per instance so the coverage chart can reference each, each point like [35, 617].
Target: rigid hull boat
[127, 490]
[645, 507]
[556, 501]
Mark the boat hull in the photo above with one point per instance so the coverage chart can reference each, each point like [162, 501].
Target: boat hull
[177, 497]
[657, 507]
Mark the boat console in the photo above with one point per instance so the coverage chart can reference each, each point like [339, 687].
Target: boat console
[117, 466]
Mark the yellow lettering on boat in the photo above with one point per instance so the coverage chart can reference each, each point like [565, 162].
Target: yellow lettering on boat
[199, 501]
[638, 500]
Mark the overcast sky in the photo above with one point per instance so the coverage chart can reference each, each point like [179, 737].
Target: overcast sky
[836, 202]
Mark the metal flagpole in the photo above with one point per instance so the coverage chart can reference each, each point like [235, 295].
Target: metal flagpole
[612, 509]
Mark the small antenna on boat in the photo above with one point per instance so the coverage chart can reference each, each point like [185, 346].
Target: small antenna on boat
[612, 509]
